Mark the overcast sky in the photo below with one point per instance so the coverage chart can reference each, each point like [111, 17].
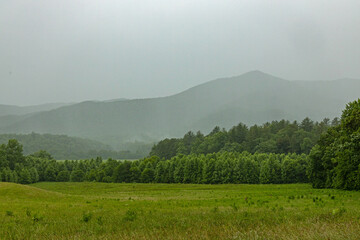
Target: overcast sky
[70, 50]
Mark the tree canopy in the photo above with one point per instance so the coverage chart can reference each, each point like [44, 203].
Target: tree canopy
[275, 137]
[335, 160]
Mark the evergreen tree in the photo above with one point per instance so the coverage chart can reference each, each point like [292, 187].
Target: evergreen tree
[122, 172]
[179, 169]
[50, 174]
[91, 176]
[147, 175]
[270, 171]
[63, 176]
[77, 175]
[4, 163]
[208, 171]
[13, 152]
[135, 174]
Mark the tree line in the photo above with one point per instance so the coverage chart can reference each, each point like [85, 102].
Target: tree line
[275, 137]
[215, 168]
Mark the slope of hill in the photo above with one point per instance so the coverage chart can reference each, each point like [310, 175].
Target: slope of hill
[251, 98]
[17, 110]
[9, 191]
[65, 147]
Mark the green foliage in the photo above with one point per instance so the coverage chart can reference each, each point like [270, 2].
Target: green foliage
[25, 177]
[275, 137]
[135, 174]
[42, 154]
[166, 148]
[63, 176]
[270, 170]
[122, 172]
[37, 218]
[13, 154]
[214, 168]
[34, 175]
[3, 160]
[335, 161]
[49, 146]
[86, 217]
[77, 176]
[9, 213]
[130, 216]
[50, 174]
[147, 175]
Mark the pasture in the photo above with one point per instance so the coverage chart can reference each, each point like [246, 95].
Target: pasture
[89, 210]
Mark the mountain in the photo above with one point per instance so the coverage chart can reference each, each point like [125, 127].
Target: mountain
[17, 110]
[251, 98]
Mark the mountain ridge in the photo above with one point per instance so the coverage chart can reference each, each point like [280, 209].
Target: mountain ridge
[252, 98]
[6, 110]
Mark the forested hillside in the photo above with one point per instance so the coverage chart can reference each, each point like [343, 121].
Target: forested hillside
[272, 137]
[251, 98]
[65, 147]
[16, 110]
[333, 162]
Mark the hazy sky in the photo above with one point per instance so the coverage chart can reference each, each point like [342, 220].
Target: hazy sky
[70, 50]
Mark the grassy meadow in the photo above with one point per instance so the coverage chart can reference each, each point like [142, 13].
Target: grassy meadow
[176, 211]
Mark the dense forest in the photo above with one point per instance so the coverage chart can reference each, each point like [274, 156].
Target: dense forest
[275, 137]
[240, 155]
[225, 167]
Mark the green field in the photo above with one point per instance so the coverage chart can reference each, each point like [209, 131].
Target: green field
[176, 211]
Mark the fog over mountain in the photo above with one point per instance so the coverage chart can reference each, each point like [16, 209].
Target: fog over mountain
[122, 67]
[252, 98]
[74, 51]
[17, 110]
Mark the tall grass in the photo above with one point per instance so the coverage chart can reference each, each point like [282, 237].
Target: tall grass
[175, 211]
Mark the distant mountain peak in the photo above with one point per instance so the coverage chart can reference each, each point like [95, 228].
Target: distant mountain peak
[251, 98]
[257, 74]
